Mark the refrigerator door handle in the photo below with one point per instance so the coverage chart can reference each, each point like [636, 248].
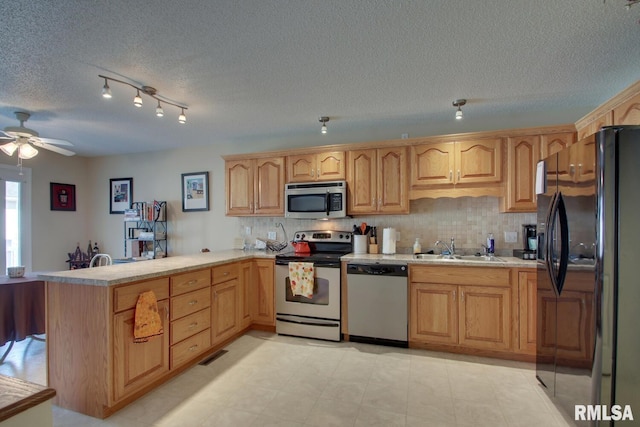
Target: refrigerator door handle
[548, 259]
[564, 243]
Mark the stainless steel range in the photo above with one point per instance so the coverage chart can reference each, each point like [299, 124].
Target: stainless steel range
[315, 314]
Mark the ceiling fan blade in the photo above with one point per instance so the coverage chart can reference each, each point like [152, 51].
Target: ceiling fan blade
[6, 137]
[51, 141]
[53, 148]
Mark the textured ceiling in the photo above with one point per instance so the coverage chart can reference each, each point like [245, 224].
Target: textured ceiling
[252, 70]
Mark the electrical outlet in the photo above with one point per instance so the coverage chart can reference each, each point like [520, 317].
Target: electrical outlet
[510, 236]
[247, 231]
[271, 235]
[405, 136]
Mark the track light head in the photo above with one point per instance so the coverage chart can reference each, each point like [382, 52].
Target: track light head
[137, 100]
[159, 110]
[459, 103]
[106, 90]
[323, 120]
[182, 119]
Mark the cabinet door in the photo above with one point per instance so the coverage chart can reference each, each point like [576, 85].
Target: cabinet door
[225, 311]
[478, 161]
[393, 196]
[362, 181]
[138, 364]
[246, 277]
[522, 160]
[330, 166]
[585, 163]
[432, 164]
[628, 113]
[263, 293]
[433, 316]
[301, 168]
[485, 317]
[554, 143]
[269, 186]
[239, 187]
[527, 303]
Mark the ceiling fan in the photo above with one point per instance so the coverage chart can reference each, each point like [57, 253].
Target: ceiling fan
[23, 139]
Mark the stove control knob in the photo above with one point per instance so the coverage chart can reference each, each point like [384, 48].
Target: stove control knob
[303, 236]
[341, 236]
[347, 236]
[297, 236]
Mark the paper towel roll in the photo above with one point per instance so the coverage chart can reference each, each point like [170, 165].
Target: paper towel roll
[389, 241]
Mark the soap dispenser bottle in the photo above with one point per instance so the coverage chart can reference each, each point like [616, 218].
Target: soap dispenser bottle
[490, 244]
[416, 246]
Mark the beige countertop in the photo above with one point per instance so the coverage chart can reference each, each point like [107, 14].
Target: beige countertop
[509, 262]
[143, 270]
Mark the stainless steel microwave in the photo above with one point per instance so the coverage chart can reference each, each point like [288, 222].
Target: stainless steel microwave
[316, 200]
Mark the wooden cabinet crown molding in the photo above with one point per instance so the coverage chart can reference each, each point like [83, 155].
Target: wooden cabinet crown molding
[605, 109]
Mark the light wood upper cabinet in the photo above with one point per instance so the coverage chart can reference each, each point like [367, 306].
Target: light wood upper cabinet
[627, 113]
[523, 154]
[460, 162]
[377, 181]
[552, 143]
[329, 166]
[255, 186]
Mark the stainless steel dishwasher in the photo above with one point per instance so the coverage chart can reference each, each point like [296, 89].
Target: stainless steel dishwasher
[377, 303]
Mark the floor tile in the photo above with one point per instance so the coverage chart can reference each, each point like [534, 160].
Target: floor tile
[270, 380]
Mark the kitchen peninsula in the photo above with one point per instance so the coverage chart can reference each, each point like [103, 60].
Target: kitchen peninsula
[206, 300]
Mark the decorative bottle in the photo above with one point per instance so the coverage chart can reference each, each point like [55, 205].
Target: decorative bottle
[417, 248]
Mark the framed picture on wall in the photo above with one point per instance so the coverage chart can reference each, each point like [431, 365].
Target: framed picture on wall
[195, 191]
[63, 197]
[120, 194]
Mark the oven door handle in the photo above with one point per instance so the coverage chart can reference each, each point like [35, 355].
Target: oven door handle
[301, 322]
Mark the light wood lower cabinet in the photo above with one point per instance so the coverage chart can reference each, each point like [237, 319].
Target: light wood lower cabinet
[527, 307]
[137, 365]
[468, 307]
[225, 310]
[263, 299]
[246, 281]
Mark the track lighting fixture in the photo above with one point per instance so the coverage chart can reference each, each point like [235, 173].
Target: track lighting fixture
[137, 100]
[324, 121]
[459, 103]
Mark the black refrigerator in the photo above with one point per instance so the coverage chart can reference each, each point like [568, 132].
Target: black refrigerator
[588, 289]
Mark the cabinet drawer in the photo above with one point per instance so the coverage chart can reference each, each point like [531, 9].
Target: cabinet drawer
[191, 281]
[126, 297]
[225, 272]
[461, 275]
[190, 325]
[190, 348]
[190, 303]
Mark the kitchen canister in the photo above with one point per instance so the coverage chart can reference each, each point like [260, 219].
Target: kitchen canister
[389, 241]
[360, 243]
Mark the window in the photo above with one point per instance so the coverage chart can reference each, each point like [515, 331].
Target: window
[15, 194]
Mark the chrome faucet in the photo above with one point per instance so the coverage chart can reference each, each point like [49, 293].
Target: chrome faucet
[451, 248]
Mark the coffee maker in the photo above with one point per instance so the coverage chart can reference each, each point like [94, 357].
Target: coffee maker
[529, 243]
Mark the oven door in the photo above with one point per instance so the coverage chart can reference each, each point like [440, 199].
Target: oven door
[325, 302]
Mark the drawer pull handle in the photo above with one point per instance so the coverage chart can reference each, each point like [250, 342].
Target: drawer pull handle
[192, 282]
[226, 273]
[193, 302]
[454, 295]
[193, 347]
[193, 325]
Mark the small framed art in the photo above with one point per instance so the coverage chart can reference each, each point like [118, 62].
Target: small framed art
[120, 194]
[195, 191]
[63, 197]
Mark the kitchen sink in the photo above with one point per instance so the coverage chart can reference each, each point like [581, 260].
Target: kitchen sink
[427, 256]
[477, 258]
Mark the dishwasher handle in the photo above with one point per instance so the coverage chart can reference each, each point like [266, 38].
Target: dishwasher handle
[378, 269]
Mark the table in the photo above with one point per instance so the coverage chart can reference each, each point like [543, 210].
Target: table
[22, 309]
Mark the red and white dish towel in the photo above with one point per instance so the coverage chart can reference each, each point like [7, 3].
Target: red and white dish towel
[302, 278]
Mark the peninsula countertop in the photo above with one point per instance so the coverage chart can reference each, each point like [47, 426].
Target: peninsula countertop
[142, 270]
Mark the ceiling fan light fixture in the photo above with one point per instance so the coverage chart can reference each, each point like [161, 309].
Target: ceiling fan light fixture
[9, 148]
[459, 103]
[159, 110]
[324, 120]
[26, 151]
[137, 100]
[106, 90]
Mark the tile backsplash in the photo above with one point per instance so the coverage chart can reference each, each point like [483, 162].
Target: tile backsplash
[467, 219]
